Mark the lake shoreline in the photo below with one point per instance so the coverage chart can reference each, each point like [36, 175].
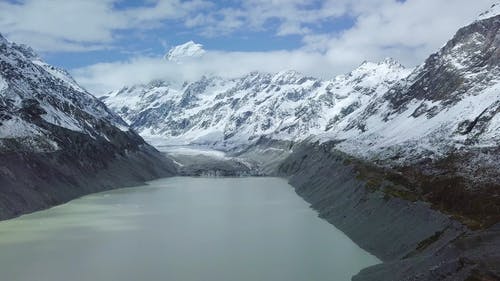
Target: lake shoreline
[410, 237]
[36, 181]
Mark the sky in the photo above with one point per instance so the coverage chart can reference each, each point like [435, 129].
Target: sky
[107, 44]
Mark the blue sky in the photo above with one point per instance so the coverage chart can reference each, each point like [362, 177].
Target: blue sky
[106, 44]
[158, 41]
[171, 32]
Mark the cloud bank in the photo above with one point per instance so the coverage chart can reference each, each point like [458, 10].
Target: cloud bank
[104, 77]
[83, 25]
[406, 30]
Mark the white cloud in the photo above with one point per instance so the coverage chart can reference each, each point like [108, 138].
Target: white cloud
[103, 77]
[45, 24]
[292, 16]
[81, 25]
[407, 31]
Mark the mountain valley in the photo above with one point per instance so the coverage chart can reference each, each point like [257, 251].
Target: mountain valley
[405, 161]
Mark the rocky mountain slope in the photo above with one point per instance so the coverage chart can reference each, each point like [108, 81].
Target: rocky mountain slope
[416, 239]
[440, 127]
[57, 141]
[448, 103]
[413, 176]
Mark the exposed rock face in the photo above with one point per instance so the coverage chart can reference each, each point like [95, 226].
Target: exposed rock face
[57, 141]
[448, 104]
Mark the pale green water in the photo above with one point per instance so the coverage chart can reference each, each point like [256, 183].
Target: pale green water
[180, 229]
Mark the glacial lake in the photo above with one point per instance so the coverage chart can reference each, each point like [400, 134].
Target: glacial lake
[181, 229]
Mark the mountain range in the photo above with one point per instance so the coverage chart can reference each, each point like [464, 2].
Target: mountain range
[380, 111]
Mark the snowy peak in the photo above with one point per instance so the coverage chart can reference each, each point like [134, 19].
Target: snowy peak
[494, 10]
[388, 65]
[372, 74]
[24, 50]
[467, 64]
[39, 101]
[290, 77]
[185, 51]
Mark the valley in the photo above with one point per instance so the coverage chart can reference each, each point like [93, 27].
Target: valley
[402, 161]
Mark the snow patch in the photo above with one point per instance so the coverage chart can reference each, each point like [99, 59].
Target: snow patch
[60, 119]
[3, 84]
[18, 128]
[193, 151]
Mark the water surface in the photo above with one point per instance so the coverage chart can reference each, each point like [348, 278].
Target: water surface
[180, 229]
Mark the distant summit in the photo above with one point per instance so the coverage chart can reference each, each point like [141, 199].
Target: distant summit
[185, 51]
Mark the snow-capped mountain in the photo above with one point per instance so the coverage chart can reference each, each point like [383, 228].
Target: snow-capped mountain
[35, 96]
[231, 112]
[57, 141]
[452, 101]
[185, 51]
[379, 111]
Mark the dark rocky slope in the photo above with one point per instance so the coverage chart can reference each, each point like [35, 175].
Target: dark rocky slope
[31, 181]
[58, 142]
[414, 240]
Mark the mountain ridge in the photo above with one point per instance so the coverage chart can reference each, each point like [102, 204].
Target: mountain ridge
[284, 93]
[352, 108]
[58, 142]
